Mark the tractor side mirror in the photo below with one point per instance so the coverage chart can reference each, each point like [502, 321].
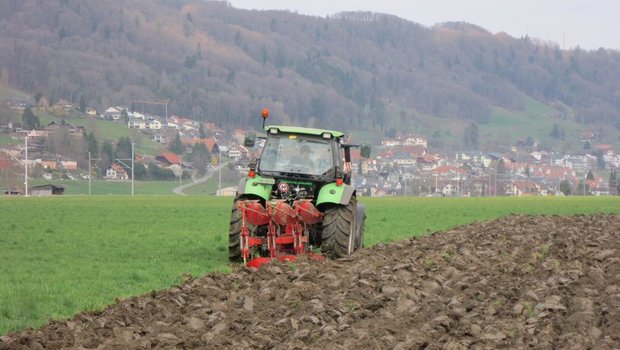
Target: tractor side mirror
[250, 140]
[365, 151]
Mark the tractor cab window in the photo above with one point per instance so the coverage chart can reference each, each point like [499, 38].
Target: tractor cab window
[295, 154]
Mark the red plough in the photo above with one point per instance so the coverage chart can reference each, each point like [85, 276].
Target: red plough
[287, 230]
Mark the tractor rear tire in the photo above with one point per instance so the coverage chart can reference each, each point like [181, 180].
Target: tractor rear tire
[361, 223]
[234, 233]
[338, 235]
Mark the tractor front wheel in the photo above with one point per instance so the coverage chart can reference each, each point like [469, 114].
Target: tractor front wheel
[338, 232]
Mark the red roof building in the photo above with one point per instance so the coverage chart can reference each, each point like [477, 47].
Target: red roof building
[168, 158]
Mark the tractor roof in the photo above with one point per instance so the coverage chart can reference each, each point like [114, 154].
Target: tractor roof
[305, 131]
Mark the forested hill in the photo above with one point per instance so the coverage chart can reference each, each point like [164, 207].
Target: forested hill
[352, 70]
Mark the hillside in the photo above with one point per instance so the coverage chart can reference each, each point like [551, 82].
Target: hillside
[354, 71]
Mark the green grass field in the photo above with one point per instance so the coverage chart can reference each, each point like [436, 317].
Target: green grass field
[97, 187]
[62, 255]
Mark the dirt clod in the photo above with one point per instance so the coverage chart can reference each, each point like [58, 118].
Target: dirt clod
[516, 282]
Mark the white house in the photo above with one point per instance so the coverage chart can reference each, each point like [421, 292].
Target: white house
[136, 124]
[416, 141]
[155, 125]
[112, 113]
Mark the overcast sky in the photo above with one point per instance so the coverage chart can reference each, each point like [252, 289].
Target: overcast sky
[588, 23]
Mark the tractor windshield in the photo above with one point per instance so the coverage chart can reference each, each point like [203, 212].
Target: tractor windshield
[295, 154]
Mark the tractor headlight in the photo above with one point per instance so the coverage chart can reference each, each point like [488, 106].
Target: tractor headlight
[327, 135]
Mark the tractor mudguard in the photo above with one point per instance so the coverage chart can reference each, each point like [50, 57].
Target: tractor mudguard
[331, 193]
[258, 186]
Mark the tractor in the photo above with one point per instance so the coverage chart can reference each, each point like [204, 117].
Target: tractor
[297, 198]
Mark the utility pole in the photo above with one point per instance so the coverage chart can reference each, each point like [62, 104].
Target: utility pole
[181, 167]
[133, 157]
[26, 168]
[129, 166]
[219, 184]
[90, 171]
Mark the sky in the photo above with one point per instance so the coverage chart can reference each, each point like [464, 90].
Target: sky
[589, 24]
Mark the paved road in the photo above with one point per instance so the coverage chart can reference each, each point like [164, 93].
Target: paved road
[212, 171]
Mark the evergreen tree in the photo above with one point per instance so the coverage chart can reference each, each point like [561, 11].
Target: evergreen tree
[590, 175]
[565, 187]
[176, 146]
[201, 130]
[123, 148]
[140, 172]
[82, 104]
[29, 120]
[613, 183]
[501, 167]
[471, 136]
[107, 155]
[91, 144]
[201, 158]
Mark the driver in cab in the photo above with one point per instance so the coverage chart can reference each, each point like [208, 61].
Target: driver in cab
[303, 158]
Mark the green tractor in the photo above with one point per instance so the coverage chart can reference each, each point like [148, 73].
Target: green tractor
[297, 198]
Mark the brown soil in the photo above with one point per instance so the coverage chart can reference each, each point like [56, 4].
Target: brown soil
[518, 282]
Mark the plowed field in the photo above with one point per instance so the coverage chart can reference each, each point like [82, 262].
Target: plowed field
[517, 282]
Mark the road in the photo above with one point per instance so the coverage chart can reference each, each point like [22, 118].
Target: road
[212, 171]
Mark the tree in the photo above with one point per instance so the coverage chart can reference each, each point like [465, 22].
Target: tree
[176, 146]
[82, 104]
[30, 120]
[201, 158]
[613, 183]
[123, 148]
[91, 144]
[565, 187]
[501, 167]
[600, 159]
[107, 155]
[557, 132]
[590, 175]
[471, 136]
[201, 130]
[140, 172]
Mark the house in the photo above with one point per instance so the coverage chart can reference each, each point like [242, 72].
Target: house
[390, 142]
[46, 190]
[237, 152]
[239, 136]
[208, 142]
[116, 172]
[49, 164]
[416, 141]
[168, 159]
[37, 134]
[113, 113]
[136, 124]
[69, 164]
[605, 149]
[525, 188]
[159, 138]
[228, 191]
[136, 115]
[155, 125]
[587, 136]
[91, 112]
[427, 162]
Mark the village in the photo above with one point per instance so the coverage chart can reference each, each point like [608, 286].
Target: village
[400, 166]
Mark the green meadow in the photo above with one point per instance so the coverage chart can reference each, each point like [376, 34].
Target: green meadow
[63, 255]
